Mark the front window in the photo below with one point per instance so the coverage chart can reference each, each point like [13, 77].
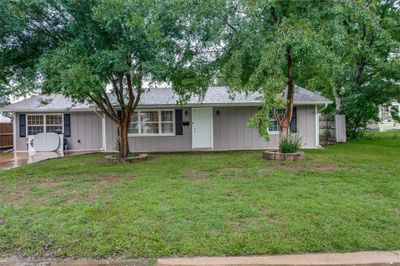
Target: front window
[149, 122]
[154, 122]
[44, 124]
[35, 124]
[274, 127]
[54, 123]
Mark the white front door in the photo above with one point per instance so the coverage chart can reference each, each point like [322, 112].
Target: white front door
[202, 128]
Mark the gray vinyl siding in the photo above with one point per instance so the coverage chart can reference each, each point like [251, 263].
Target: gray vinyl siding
[230, 132]
[86, 132]
[306, 122]
[112, 135]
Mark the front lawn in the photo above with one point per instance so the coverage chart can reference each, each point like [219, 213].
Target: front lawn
[343, 198]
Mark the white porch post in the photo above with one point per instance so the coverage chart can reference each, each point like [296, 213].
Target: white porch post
[15, 131]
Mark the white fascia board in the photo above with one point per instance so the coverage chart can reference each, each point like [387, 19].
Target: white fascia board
[47, 110]
[200, 105]
[159, 106]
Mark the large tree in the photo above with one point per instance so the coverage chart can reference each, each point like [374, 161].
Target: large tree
[365, 71]
[269, 46]
[371, 75]
[87, 49]
[348, 50]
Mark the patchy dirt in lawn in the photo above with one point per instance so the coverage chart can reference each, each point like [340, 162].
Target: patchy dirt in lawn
[196, 174]
[59, 190]
[324, 167]
[232, 171]
[296, 168]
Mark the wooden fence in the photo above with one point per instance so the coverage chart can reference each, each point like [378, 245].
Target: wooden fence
[6, 135]
[332, 129]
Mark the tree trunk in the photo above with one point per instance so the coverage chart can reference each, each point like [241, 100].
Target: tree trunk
[283, 133]
[338, 100]
[284, 122]
[123, 139]
[123, 88]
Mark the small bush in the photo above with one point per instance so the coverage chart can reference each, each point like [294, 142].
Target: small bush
[290, 144]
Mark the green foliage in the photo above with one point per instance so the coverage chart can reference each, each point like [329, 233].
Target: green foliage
[78, 47]
[348, 50]
[86, 49]
[258, 36]
[395, 113]
[207, 204]
[364, 72]
[290, 144]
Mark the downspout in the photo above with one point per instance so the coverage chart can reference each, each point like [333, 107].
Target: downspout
[325, 106]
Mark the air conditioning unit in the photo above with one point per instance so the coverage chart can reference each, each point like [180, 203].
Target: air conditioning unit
[46, 142]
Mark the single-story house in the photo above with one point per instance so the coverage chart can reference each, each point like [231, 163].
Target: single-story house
[386, 121]
[219, 121]
[3, 119]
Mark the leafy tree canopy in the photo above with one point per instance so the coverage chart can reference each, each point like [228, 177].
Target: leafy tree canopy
[347, 50]
[271, 44]
[79, 48]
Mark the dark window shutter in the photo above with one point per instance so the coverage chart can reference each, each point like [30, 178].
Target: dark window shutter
[119, 114]
[22, 125]
[178, 122]
[67, 125]
[293, 123]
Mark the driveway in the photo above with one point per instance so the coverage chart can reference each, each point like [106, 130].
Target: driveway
[17, 159]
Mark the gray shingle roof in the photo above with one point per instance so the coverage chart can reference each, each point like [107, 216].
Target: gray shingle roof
[45, 103]
[162, 96]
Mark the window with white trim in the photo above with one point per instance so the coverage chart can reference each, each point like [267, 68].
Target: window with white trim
[54, 123]
[44, 124]
[35, 124]
[274, 127]
[152, 122]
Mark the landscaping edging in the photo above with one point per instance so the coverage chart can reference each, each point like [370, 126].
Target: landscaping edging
[139, 157]
[279, 156]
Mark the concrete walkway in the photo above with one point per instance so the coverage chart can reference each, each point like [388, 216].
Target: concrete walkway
[17, 159]
[337, 259]
[327, 259]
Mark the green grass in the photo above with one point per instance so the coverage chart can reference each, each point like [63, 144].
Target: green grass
[343, 198]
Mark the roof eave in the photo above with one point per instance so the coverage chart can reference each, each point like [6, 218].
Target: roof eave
[248, 104]
[65, 110]
[223, 104]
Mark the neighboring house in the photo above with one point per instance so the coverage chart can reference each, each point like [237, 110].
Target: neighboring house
[386, 120]
[3, 119]
[218, 122]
